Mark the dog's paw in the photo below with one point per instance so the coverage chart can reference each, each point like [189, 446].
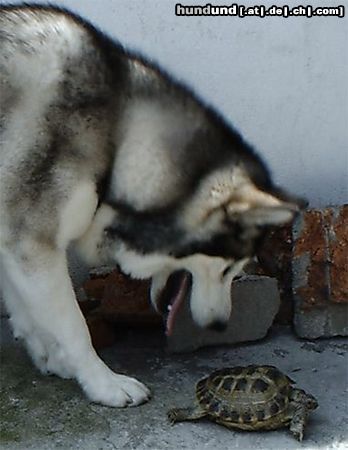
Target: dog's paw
[116, 390]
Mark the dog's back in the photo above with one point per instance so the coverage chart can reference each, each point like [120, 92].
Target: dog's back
[55, 109]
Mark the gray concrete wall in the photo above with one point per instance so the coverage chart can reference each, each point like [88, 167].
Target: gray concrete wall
[283, 82]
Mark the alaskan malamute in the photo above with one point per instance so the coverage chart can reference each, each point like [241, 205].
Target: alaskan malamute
[101, 148]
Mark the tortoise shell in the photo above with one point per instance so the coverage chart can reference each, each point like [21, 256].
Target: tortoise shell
[244, 395]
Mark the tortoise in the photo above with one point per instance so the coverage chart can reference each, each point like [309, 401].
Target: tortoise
[249, 398]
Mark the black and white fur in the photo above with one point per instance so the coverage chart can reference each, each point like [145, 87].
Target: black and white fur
[101, 148]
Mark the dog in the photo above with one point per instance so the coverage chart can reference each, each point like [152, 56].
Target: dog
[103, 150]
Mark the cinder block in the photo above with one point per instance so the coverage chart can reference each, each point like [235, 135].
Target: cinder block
[320, 272]
[255, 302]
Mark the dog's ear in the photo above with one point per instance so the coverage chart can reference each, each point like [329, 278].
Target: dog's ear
[252, 206]
[263, 216]
[232, 193]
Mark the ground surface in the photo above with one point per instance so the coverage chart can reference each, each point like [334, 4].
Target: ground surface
[39, 413]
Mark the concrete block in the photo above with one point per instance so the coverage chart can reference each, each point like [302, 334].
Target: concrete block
[255, 302]
[320, 272]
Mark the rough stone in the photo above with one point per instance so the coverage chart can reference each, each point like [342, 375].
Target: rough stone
[319, 272]
[316, 323]
[255, 302]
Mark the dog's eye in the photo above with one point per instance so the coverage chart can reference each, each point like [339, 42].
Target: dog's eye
[226, 270]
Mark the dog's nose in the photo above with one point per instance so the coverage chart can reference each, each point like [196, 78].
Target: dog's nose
[218, 325]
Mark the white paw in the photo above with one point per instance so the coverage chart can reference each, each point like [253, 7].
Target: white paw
[115, 390]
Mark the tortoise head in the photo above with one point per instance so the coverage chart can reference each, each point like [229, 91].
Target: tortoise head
[308, 400]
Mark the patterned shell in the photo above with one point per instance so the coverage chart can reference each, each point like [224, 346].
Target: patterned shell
[244, 395]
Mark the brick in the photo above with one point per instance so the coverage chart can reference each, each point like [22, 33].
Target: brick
[122, 300]
[275, 260]
[311, 257]
[320, 281]
[88, 306]
[94, 288]
[255, 302]
[115, 299]
[339, 257]
[102, 332]
[127, 301]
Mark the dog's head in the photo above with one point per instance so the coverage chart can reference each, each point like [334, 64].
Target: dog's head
[225, 222]
[207, 242]
[200, 200]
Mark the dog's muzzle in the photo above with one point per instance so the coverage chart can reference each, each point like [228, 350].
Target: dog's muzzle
[209, 298]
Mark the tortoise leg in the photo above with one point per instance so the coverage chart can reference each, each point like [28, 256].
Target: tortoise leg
[182, 414]
[298, 422]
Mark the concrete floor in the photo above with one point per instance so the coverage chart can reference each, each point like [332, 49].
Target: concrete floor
[40, 412]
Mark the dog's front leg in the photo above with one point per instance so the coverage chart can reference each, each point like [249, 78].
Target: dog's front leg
[44, 311]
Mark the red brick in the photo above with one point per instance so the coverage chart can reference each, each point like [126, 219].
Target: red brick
[127, 301]
[339, 257]
[113, 299]
[324, 241]
[275, 259]
[320, 273]
[122, 299]
[102, 332]
[312, 243]
[94, 288]
[88, 306]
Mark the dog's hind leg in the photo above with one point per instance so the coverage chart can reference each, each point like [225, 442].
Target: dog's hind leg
[42, 286]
